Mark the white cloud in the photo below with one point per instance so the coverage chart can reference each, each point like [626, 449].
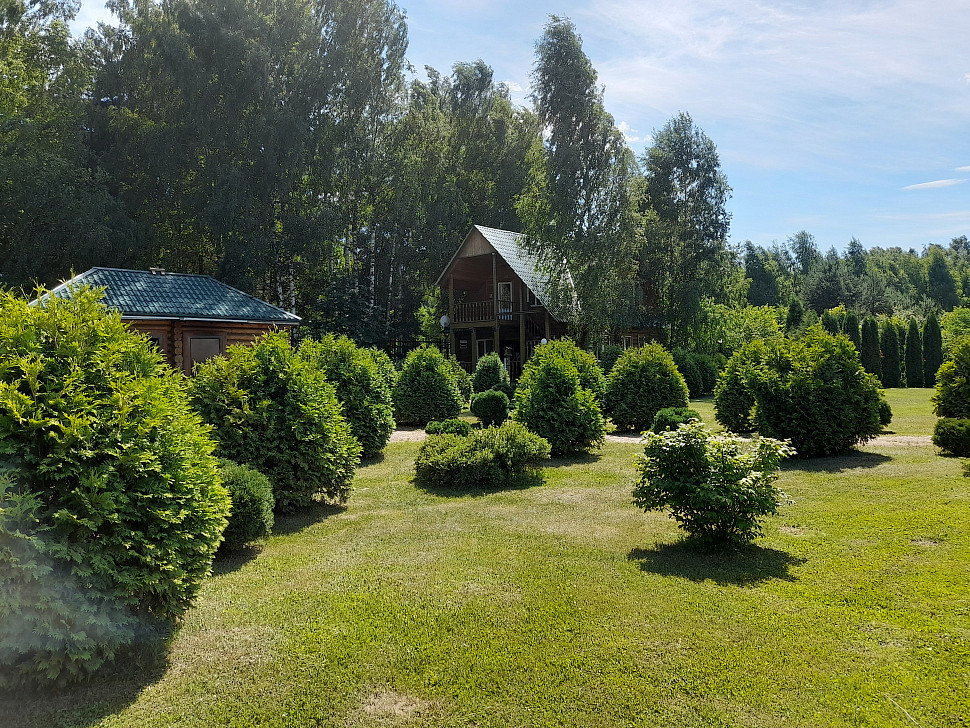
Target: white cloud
[935, 184]
[963, 169]
[628, 132]
[514, 87]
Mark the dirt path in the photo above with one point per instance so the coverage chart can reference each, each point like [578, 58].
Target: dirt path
[416, 434]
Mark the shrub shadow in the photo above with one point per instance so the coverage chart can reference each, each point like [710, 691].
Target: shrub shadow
[852, 460]
[110, 690]
[565, 461]
[522, 481]
[227, 562]
[289, 523]
[735, 566]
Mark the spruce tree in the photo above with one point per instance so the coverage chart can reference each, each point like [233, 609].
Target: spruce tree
[914, 356]
[932, 350]
[889, 343]
[851, 329]
[830, 323]
[869, 351]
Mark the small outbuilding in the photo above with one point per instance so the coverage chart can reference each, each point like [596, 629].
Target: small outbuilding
[190, 318]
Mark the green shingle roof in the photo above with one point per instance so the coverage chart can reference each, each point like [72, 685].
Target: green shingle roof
[140, 293]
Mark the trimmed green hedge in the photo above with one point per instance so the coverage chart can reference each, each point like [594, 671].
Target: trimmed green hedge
[426, 388]
[110, 502]
[252, 505]
[644, 381]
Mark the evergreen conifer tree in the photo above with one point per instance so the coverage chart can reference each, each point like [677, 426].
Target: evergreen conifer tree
[932, 350]
[869, 352]
[889, 343]
[851, 329]
[914, 356]
[830, 323]
[901, 330]
[795, 314]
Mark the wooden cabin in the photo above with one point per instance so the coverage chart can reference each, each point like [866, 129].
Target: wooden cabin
[190, 318]
[496, 300]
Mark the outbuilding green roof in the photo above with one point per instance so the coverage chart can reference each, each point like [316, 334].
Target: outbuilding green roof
[163, 295]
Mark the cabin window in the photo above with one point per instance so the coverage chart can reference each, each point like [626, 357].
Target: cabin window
[505, 300]
[204, 347]
[530, 298]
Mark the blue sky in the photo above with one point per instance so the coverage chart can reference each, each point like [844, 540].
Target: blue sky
[846, 118]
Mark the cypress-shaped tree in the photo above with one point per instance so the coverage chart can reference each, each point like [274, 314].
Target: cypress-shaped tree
[932, 350]
[869, 351]
[795, 314]
[901, 330]
[914, 356]
[851, 329]
[831, 323]
[889, 343]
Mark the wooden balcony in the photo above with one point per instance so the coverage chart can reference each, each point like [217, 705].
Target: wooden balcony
[479, 311]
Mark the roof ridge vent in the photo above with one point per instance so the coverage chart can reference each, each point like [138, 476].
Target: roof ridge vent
[157, 271]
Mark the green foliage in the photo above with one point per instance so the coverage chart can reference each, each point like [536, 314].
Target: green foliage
[716, 487]
[252, 505]
[885, 412]
[952, 395]
[110, 502]
[889, 344]
[427, 388]
[505, 388]
[932, 350]
[733, 398]
[707, 367]
[670, 418]
[448, 427]
[644, 381]
[275, 412]
[793, 319]
[722, 329]
[385, 367]
[850, 327]
[590, 375]
[462, 379]
[608, 356]
[952, 436]
[955, 325]
[551, 402]
[689, 371]
[491, 407]
[830, 323]
[869, 352]
[360, 385]
[488, 372]
[815, 392]
[914, 356]
[488, 458]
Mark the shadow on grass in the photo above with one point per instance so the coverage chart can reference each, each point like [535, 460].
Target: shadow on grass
[738, 566]
[852, 460]
[227, 562]
[521, 481]
[565, 461]
[290, 523]
[109, 691]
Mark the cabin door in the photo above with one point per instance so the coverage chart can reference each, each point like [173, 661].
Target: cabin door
[505, 301]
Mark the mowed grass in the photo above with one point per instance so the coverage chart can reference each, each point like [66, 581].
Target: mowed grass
[563, 605]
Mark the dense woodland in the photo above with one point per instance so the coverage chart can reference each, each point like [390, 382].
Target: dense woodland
[290, 150]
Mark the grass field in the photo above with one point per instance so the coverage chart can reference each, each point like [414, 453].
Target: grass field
[562, 605]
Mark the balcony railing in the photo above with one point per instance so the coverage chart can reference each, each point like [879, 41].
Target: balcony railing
[474, 311]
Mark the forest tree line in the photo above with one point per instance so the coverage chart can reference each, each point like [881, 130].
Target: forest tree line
[290, 150]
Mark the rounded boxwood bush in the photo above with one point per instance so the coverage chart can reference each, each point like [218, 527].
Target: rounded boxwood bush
[360, 386]
[426, 388]
[110, 504]
[550, 401]
[252, 505]
[952, 436]
[733, 398]
[590, 375]
[670, 418]
[885, 412]
[491, 407]
[952, 395]
[487, 458]
[644, 381]
[489, 372]
[716, 487]
[448, 427]
[814, 392]
[277, 413]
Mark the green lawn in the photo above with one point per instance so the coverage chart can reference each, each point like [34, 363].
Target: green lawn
[562, 605]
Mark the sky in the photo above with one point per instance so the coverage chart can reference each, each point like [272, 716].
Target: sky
[845, 118]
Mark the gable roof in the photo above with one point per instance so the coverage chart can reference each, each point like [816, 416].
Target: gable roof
[147, 294]
[511, 246]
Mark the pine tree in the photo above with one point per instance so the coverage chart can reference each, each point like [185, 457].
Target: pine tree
[932, 350]
[889, 343]
[851, 329]
[914, 356]
[870, 347]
